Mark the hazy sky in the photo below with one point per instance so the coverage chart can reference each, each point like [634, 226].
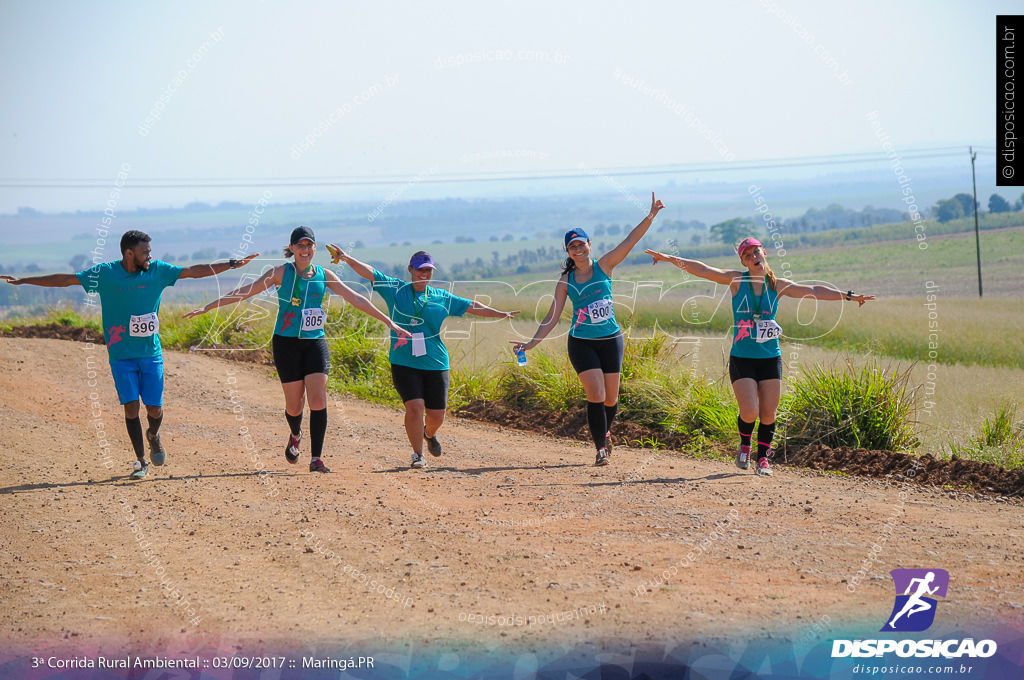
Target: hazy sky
[539, 90]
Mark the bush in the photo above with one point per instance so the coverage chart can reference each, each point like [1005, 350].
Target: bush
[1001, 441]
[66, 316]
[359, 361]
[544, 383]
[866, 408]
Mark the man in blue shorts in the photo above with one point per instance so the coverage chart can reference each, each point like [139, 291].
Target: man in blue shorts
[130, 290]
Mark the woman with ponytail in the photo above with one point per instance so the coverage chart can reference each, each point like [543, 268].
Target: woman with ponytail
[755, 362]
[596, 345]
[299, 342]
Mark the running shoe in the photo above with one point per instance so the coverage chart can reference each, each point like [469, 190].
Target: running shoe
[743, 457]
[156, 449]
[763, 468]
[139, 469]
[602, 457]
[417, 461]
[608, 442]
[433, 445]
[291, 452]
[317, 465]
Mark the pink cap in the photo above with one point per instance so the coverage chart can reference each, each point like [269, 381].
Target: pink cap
[747, 243]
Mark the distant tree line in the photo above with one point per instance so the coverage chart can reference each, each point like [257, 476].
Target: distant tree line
[815, 220]
[962, 205]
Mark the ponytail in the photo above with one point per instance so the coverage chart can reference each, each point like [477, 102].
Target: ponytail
[568, 266]
[770, 277]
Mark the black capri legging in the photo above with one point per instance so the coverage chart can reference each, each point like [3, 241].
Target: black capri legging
[604, 353]
[755, 369]
[417, 383]
[295, 358]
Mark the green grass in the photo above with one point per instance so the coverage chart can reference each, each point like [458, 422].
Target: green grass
[63, 316]
[972, 331]
[546, 382]
[869, 407]
[1000, 442]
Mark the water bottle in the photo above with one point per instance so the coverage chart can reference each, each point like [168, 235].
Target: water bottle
[521, 357]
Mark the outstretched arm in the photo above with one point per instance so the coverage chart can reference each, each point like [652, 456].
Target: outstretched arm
[550, 319]
[360, 268]
[47, 280]
[199, 271]
[338, 287]
[697, 268]
[271, 277]
[616, 255]
[787, 288]
[480, 309]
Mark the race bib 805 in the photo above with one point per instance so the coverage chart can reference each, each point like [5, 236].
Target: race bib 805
[313, 319]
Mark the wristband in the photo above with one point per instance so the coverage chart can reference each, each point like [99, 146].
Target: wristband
[849, 295]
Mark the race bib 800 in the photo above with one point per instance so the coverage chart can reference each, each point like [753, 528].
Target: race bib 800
[599, 311]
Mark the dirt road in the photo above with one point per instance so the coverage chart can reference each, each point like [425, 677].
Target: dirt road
[509, 538]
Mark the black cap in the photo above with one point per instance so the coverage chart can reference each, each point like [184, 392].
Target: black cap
[300, 233]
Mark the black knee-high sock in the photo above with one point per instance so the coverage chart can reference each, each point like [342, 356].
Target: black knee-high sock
[134, 426]
[154, 423]
[317, 431]
[765, 434]
[746, 429]
[294, 422]
[598, 424]
[609, 414]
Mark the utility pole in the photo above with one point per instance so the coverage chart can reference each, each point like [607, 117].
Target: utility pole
[977, 237]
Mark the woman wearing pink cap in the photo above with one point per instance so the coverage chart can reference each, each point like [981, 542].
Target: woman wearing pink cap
[755, 362]
[419, 366]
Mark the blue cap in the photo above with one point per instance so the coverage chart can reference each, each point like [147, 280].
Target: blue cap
[575, 235]
[420, 261]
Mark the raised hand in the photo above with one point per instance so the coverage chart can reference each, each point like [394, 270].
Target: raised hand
[336, 253]
[861, 299]
[658, 257]
[247, 260]
[656, 205]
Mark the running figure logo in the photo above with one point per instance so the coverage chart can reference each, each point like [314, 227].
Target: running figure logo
[744, 326]
[913, 611]
[580, 317]
[115, 334]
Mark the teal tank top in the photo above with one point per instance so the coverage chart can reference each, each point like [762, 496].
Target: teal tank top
[745, 305]
[307, 318]
[593, 315]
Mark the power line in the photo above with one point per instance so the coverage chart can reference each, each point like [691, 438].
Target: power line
[491, 176]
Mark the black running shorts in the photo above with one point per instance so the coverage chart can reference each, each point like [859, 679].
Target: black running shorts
[604, 353]
[755, 369]
[417, 383]
[295, 358]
